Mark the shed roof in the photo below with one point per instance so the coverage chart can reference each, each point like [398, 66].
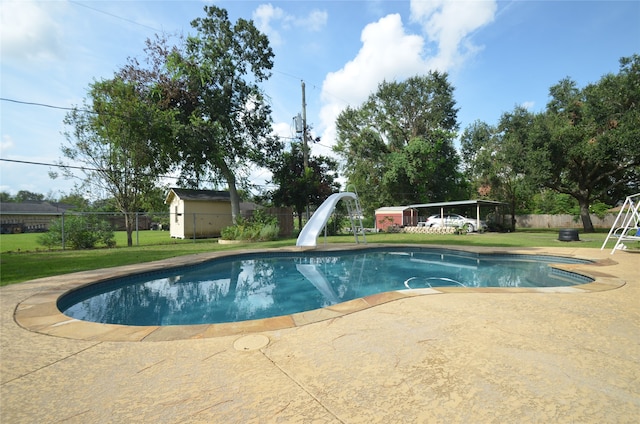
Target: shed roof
[391, 209]
[198, 195]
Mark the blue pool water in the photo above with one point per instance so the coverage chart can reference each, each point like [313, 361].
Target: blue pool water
[253, 286]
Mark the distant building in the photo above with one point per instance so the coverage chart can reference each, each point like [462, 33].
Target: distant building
[29, 217]
[198, 213]
[395, 217]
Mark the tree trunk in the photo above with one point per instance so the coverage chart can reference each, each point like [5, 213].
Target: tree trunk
[300, 212]
[128, 224]
[585, 216]
[235, 200]
[233, 191]
[513, 214]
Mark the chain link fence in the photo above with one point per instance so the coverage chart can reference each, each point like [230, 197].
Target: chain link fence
[191, 225]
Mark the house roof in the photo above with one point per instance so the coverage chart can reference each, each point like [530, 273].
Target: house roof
[197, 195]
[33, 207]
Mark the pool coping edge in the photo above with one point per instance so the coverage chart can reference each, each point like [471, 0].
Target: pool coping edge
[39, 313]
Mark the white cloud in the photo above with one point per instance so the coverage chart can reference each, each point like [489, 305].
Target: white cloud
[284, 129]
[6, 144]
[388, 52]
[449, 23]
[528, 105]
[315, 21]
[28, 31]
[267, 18]
[263, 17]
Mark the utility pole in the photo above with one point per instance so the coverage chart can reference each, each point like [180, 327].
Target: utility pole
[305, 152]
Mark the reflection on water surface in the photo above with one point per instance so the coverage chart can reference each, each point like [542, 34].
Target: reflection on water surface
[251, 287]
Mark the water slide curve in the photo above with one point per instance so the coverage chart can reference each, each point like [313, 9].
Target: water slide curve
[319, 219]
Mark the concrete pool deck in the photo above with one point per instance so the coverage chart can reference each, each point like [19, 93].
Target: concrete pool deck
[474, 355]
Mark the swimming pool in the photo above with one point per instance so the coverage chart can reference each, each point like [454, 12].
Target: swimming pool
[254, 286]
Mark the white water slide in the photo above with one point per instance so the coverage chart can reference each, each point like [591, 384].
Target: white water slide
[320, 217]
[319, 281]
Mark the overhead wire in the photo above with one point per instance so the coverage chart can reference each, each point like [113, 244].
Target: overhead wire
[4, 99]
[87, 168]
[84, 110]
[113, 15]
[74, 109]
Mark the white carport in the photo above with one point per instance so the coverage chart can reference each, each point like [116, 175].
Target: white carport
[477, 204]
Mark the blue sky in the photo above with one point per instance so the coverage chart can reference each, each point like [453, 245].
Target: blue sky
[498, 54]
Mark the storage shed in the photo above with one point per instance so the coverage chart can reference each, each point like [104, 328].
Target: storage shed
[198, 213]
[395, 216]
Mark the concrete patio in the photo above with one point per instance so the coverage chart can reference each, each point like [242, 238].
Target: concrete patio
[468, 356]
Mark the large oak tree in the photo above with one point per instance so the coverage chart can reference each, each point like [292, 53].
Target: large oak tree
[587, 142]
[398, 146]
[212, 82]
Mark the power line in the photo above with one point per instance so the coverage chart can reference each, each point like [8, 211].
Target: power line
[84, 168]
[115, 16]
[58, 165]
[313, 85]
[21, 102]
[4, 99]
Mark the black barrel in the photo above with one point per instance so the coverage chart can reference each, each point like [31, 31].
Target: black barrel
[568, 234]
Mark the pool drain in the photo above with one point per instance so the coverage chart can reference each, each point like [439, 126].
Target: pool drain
[251, 342]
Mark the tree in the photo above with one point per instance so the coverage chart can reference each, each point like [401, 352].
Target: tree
[363, 152]
[28, 196]
[116, 138]
[398, 146]
[478, 143]
[495, 160]
[297, 186]
[78, 201]
[585, 144]
[212, 84]
[512, 182]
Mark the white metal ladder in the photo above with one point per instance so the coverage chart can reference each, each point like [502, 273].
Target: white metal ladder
[355, 217]
[629, 226]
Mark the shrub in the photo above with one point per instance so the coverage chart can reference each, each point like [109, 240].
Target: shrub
[269, 232]
[230, 233]
[53, 237]
[261, 227]
[336, 224]
[600, 209]
[80, 232]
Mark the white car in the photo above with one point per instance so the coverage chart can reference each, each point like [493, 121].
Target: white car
[454, 220]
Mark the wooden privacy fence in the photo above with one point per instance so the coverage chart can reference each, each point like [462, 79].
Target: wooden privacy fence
[560, 221]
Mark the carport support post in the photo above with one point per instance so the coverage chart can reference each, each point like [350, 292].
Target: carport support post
[194, 227]
[477, 216]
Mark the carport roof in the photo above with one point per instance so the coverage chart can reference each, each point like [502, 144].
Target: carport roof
[477, 202]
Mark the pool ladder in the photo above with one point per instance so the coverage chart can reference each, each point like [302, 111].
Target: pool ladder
[355, 217]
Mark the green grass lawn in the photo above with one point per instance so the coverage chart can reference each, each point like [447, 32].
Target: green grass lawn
[29, 241]
[22, 259]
